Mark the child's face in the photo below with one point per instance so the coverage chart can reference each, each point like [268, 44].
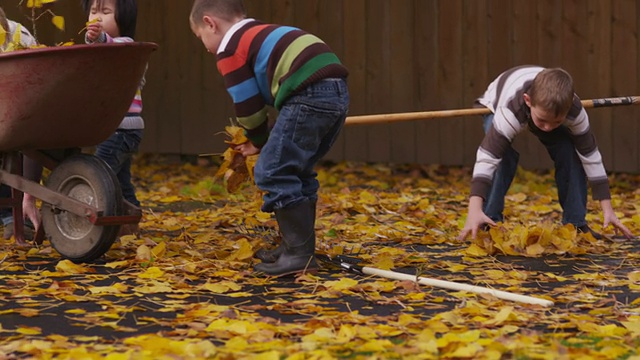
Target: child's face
[207, 31]
[542, 118]
[105, 10]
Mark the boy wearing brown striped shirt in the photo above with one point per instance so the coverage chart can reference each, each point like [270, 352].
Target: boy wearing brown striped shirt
[542, 101]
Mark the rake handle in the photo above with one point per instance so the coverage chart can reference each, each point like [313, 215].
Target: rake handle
[457, 286]
[386, 118]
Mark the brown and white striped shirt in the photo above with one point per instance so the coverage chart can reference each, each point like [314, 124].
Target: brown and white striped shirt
[504, 97]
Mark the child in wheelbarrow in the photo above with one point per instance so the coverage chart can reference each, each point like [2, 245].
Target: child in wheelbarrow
[114, 21]
[298, 74]
[14, 34]
[542, 101]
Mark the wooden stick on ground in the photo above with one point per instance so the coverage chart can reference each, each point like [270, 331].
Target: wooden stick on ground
[457, 286]
[421, 115]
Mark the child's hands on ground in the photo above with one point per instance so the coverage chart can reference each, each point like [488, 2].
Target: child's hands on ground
[475, 218]
[610, 218]
[247, 149]
[94, 29]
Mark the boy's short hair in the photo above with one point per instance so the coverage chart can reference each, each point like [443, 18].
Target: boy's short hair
[126, 15]
[224, 9]
[552, 90]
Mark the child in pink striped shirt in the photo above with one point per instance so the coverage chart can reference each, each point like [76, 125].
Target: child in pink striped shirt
[112, 21]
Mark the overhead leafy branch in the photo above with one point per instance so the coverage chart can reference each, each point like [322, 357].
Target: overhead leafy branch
[37, 11]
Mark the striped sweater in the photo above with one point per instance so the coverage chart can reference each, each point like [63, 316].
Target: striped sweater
[504, 97]
[264, 64]
[133, 120]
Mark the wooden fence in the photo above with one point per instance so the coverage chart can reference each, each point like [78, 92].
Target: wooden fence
[403, 55]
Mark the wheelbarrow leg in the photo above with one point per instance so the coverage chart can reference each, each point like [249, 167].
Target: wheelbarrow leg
[12, 163]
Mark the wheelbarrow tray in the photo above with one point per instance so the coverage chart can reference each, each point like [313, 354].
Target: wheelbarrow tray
[67, 96]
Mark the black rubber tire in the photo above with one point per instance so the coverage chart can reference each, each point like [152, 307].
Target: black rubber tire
[88, 179]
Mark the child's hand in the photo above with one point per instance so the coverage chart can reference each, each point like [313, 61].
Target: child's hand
[610, 218]
[247, 149]
[475, 218]
[30, 211]
[94, 29]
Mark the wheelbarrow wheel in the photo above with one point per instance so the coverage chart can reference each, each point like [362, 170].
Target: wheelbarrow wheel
[90, 180]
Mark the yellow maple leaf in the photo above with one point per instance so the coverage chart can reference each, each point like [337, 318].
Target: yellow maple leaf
[58, 21]
[342, 284]
[153, 272]
[24, 330]
[245, 251]
[68, 267]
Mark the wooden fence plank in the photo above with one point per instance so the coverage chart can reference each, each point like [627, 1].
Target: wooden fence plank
[355, 58]
[426, 44]
[403, 136]
[599, 62]
[379, 76]
[624, 80]
[474, 70]
[450, 79]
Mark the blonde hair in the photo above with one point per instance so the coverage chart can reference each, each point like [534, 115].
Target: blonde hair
[225, 9]
[552, 90]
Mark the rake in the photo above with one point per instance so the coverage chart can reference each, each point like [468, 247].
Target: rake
[421, 115]
[351, 264]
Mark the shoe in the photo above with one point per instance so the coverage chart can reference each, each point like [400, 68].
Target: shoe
[297, 225]
[586, 229]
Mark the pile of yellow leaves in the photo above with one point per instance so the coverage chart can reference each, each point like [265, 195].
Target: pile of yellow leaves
[235, 168]
[535, 240]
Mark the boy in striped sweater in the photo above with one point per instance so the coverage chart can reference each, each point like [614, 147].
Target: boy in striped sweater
[298, 74]
[542, 101]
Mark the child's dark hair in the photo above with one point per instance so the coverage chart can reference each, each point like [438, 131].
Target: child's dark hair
[552, 90]
[126, 15]
[224, 9]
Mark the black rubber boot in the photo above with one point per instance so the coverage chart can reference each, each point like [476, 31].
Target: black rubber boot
[271, 255]
[297, 225]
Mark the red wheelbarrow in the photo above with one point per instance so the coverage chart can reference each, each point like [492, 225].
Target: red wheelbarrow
[53, 102]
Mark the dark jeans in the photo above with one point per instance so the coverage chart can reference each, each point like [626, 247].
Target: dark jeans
[306, 128]
[118, 151]
[571, 179]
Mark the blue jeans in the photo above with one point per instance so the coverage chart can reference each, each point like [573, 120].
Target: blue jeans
[117, 151]
[571, 179]
[306, 128]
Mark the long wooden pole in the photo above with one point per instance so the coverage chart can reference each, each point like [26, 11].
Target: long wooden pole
[421, 115]
[457, 286]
